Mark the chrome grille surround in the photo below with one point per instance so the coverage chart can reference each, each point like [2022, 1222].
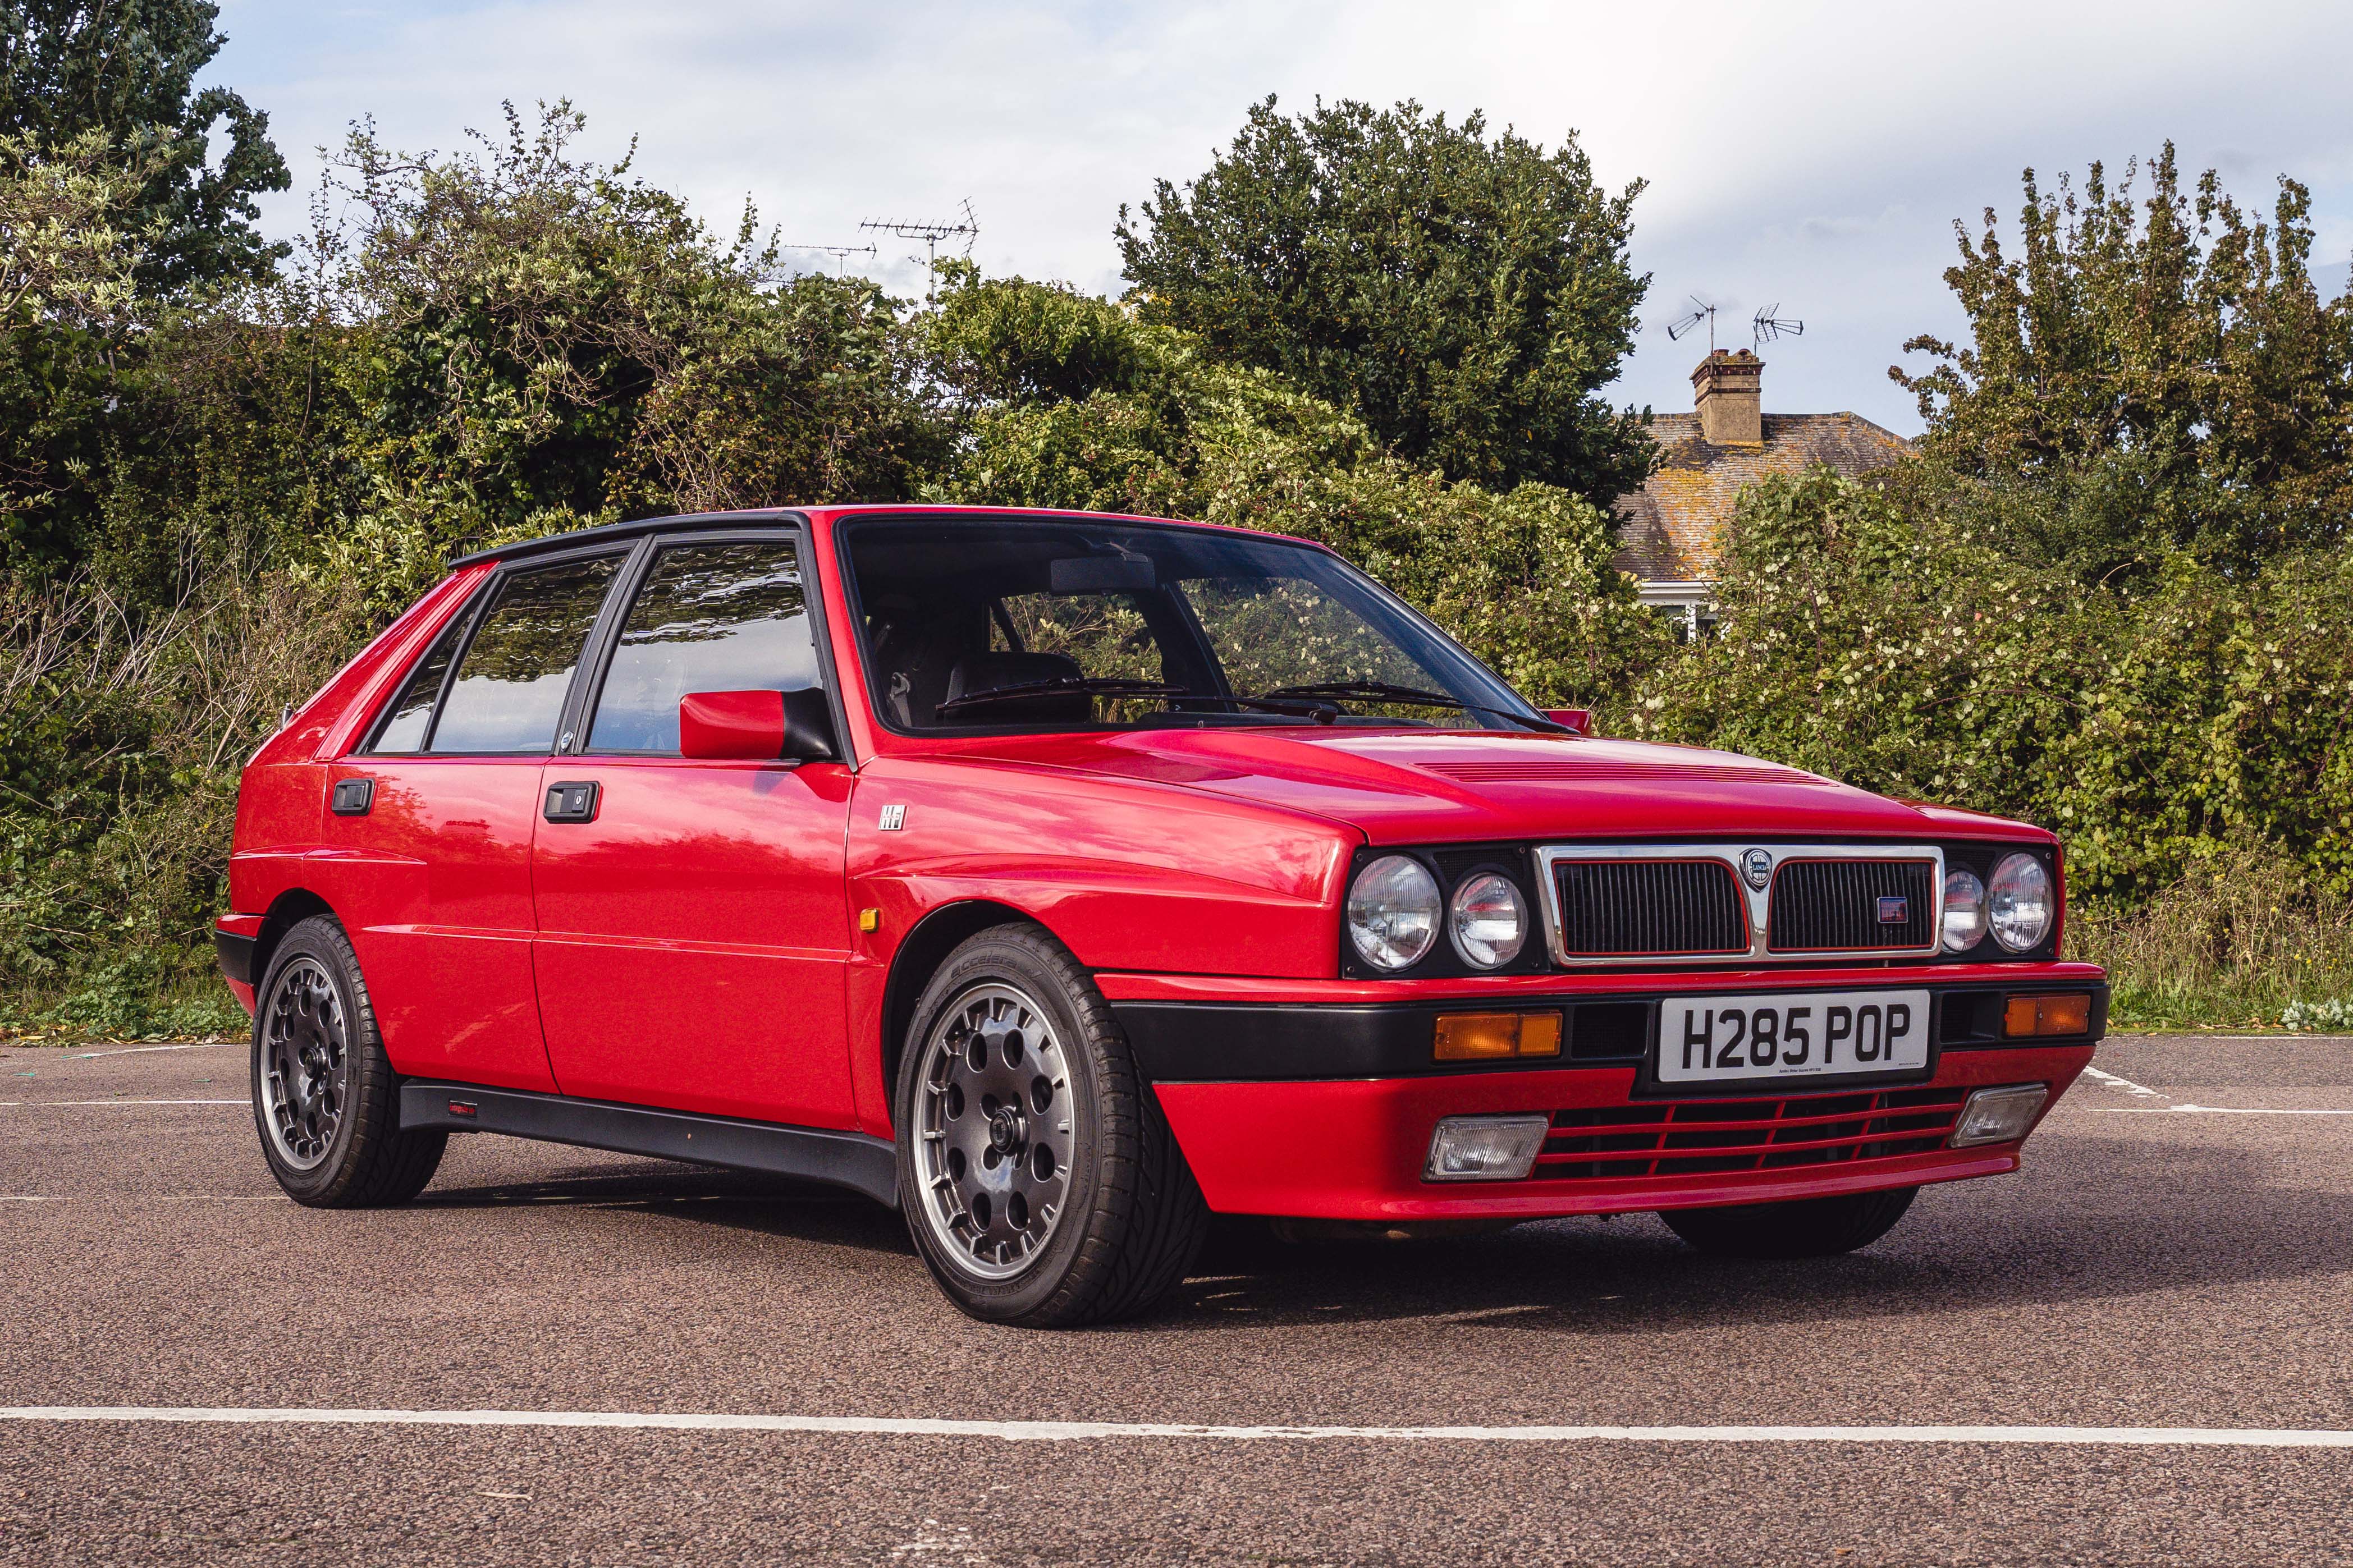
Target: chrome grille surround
[1759, 902]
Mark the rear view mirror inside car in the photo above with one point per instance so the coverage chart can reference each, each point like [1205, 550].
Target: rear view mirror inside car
[1102, 575]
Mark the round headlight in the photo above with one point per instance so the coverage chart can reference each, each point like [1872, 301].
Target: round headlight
[1392, 912]
[1965, 910]
[2018, 902]
[1488, 920]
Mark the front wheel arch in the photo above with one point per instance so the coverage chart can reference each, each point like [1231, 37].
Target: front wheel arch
[919, 957]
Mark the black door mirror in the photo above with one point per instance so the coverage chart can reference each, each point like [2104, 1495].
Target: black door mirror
[808, 727]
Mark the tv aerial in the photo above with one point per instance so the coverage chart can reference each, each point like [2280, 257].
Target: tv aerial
[1768, 327]
[840, 254]
[1685, 322]
[930, 234]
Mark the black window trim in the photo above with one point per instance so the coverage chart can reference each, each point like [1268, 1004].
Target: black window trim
[462, 624]
[597, 663]
[484, 596]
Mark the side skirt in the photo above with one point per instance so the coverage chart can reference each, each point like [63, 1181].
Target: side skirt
[868, 1166]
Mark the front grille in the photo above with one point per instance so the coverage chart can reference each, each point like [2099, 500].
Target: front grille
[1705, 1137]
[1633, 908]
[1836, 906]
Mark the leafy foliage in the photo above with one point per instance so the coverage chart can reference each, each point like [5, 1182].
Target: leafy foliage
[124, 72]
[1466, 299]
[2167, 369]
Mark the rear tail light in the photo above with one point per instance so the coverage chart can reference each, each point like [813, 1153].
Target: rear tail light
[2027, 1016]
[1494, 1036]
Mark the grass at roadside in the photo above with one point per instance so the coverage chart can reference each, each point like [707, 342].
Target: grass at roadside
[2234, 946]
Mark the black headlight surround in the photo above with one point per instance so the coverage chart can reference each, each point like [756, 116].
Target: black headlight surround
[1980, 856]
[1449, 866]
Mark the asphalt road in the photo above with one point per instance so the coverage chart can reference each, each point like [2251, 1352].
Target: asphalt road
[2151, 1266]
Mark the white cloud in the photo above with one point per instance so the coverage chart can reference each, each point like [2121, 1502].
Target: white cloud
[1808, 154]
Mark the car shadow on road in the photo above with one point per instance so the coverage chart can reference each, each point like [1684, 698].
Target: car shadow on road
[739, 1200]
[2229, 1224]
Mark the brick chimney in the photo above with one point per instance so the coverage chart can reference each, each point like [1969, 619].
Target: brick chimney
[1725, 390]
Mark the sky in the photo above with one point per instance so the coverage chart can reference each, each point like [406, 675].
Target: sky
[1812, 157]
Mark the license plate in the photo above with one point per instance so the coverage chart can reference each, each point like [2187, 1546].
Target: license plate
[1823, 1033]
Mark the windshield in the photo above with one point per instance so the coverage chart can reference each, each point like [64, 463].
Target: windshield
[984, 624]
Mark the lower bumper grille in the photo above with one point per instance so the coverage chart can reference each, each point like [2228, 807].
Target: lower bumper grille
[1684, 1138]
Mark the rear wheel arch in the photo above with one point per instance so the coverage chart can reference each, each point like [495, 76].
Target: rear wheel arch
[919, 957]
[287, 910]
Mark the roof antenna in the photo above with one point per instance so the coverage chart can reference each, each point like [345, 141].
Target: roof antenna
[1685, 323]
[840, 254]
[1770, 328]
[930, 234]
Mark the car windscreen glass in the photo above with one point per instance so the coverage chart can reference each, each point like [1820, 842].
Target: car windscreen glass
[510, 685]
[986, 623]
[710, 617]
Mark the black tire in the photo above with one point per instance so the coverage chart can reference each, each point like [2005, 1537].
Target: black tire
[1809, 1227]
[1120, 1222]
[326, 1099]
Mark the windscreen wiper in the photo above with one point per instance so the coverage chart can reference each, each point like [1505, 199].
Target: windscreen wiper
[1064, 686]
[1382, 691]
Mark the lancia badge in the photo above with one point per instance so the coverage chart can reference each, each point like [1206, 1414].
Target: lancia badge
[1756, 866]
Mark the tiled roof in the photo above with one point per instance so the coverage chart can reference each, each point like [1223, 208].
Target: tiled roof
[1671, 524]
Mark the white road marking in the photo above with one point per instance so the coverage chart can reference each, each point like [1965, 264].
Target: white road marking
[143, 1050]
[2113, 1081]
[38, 1104]
[2208, 1111]
[1086, 1431]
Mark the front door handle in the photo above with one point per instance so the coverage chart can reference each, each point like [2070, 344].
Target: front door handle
[573, 802]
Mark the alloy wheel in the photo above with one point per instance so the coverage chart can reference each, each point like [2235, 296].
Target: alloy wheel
[305, 1063]
[995, 1120]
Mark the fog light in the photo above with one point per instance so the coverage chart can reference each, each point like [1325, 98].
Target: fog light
[1998, 1115]
[1489, 1036]
[2047, 1015]
[1484, 1148]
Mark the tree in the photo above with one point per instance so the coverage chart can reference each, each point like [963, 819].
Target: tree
[2161, 373]
[127, 68]
[1466, 298]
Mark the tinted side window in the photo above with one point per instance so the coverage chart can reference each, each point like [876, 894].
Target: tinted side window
[710, 617]
[510, 689]
[412, 715]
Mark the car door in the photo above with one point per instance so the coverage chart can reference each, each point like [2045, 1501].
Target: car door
[693, 933]
[430, 827]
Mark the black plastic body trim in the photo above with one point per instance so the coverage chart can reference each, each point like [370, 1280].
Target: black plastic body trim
[637, 527]
[1225, 1042]
[853, 1160]
[236, 955]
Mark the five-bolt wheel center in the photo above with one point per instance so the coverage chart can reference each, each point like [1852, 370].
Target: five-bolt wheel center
[1004, 1130]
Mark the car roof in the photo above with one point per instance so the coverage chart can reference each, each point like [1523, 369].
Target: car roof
[769, 517]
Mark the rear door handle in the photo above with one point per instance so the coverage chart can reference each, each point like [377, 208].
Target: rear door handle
[573, 802]
[352, 798]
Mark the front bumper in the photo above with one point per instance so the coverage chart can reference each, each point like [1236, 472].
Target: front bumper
[1324, 1109]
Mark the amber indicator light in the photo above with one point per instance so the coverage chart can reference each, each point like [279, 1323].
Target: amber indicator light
[2047, 1015]
[1494, 1036]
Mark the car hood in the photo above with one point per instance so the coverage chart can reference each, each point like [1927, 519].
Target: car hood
[1408, 787]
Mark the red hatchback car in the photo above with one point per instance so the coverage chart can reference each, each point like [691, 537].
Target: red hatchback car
[1062, 880]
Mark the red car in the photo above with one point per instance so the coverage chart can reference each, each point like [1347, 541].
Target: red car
[1063, 880]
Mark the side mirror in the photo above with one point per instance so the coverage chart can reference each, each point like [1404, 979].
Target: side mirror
[757, 726]
[1580, 720]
